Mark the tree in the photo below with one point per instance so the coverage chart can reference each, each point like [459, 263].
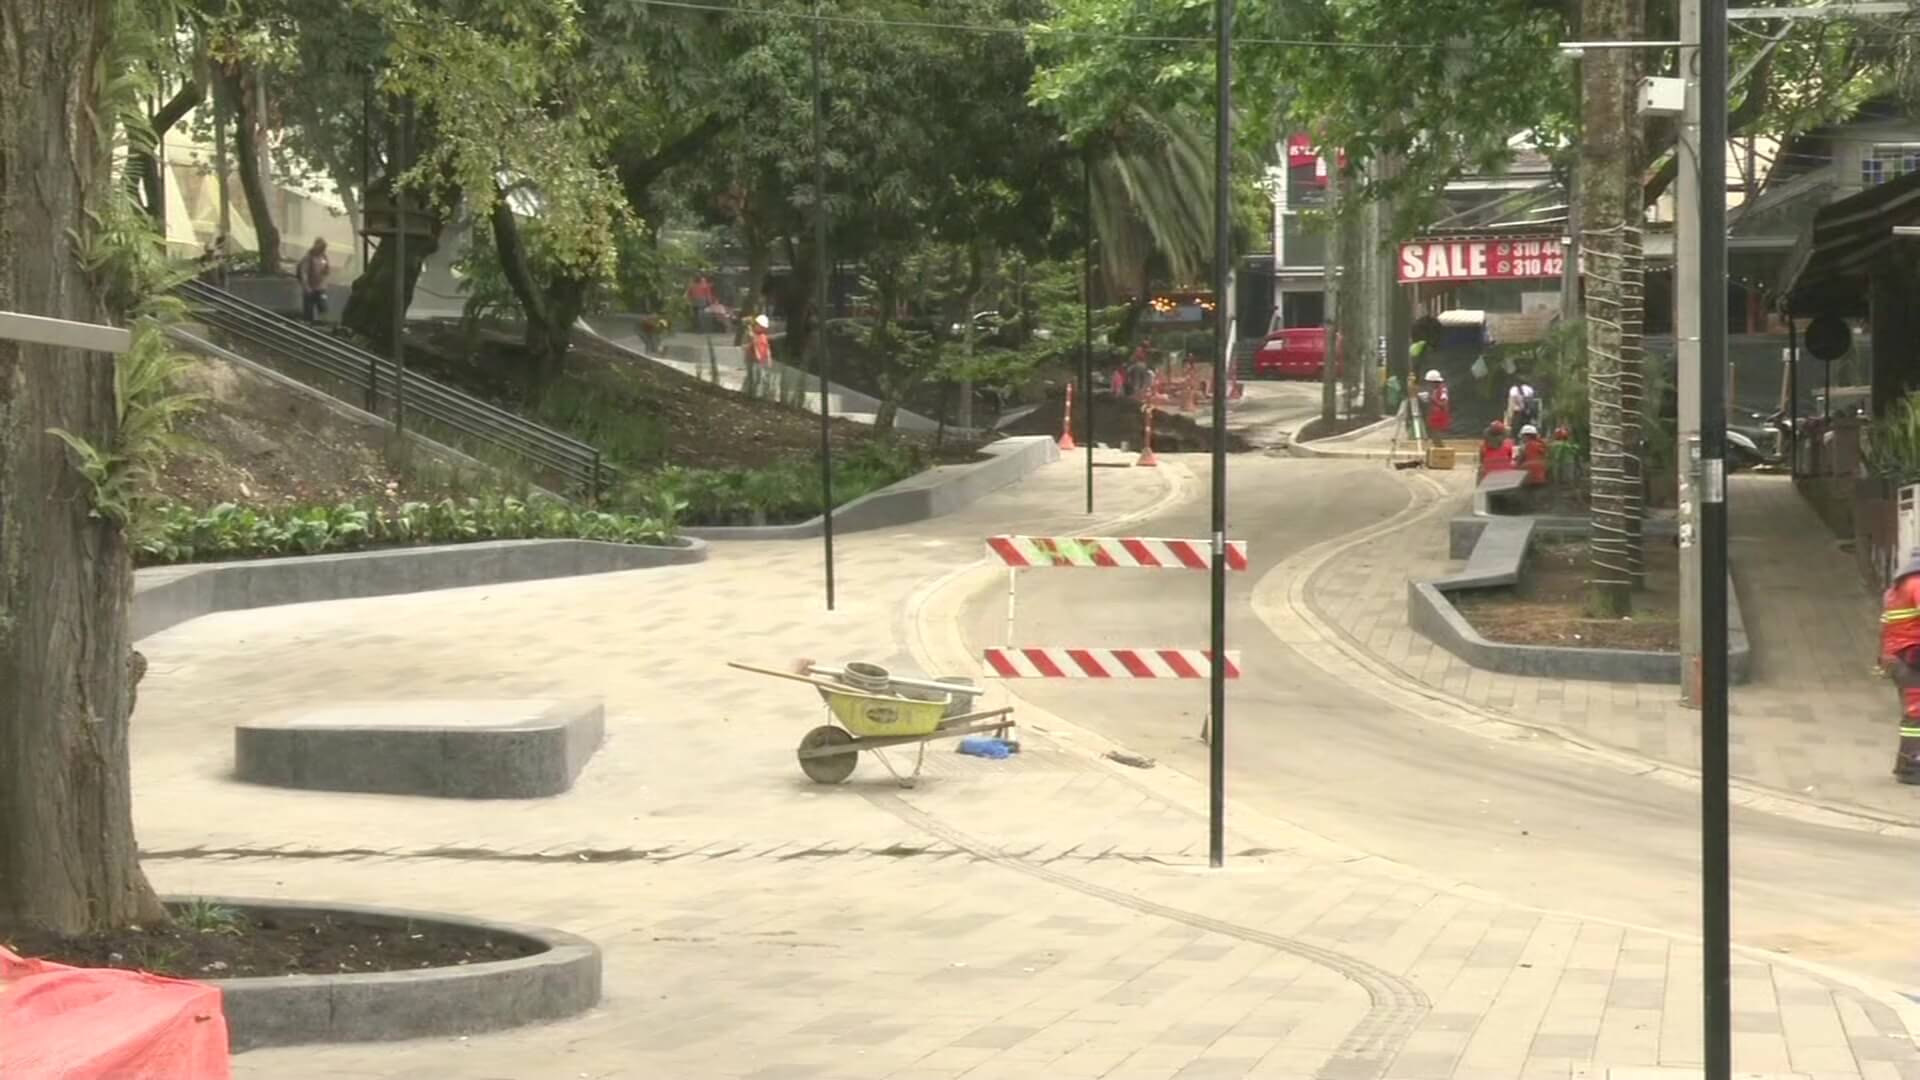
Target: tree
[1610, 207]
[67, 669]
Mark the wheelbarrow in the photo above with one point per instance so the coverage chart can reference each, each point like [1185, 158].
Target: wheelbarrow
[871, 714]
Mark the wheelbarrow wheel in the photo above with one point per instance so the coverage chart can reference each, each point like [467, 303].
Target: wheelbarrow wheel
[827, 768]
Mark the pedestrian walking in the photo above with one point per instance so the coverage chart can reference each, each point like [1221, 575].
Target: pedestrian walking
[1900, 658]
[312, 272]
[699, 298]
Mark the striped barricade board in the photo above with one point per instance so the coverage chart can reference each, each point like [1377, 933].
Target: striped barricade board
[1031, 663]
[1112, 552]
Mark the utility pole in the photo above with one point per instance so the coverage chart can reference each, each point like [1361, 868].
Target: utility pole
[1686, 290]
[1222, 284]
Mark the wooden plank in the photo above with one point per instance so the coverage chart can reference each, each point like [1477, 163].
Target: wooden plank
[40, 330]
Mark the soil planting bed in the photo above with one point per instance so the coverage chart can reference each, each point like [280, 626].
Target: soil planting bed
[1549, 607]
[1117, 421]
[227, 943]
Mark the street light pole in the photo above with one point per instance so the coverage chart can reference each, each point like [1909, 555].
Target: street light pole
[1716, 923]
[1222, 258]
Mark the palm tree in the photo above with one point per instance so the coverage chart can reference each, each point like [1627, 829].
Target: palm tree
[1152, 179]
[1610, 218]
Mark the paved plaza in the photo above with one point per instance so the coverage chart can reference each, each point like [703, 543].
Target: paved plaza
[1049, 915]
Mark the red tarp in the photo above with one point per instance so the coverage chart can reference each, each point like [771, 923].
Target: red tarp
[66, 1023]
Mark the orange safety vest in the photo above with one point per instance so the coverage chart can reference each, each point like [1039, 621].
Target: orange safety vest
[1496, 458]
[1533, 456]
[1900, 617]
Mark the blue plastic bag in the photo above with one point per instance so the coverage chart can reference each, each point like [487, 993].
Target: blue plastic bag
[985, 746]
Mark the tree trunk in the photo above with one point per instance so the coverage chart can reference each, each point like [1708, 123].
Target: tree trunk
[147, 166]
[67, 855]
[369, 310]
[248, 136]
[1356, 344]
[1330, 358]
[566, 298]
[1610, 206]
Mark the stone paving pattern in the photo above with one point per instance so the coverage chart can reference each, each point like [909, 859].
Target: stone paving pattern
[1816, 721]
[1044, 916]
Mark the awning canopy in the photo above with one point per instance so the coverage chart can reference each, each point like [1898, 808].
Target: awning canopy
[1827, 272]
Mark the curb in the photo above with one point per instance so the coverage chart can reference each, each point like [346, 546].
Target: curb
[1496, 561]
[166, 596]
[561, 981]
[1321, 448]
[936, 492]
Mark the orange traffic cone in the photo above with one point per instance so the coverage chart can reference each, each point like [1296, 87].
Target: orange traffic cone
[1146, 453]
[1066, 422]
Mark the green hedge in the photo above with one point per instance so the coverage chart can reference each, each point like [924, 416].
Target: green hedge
[182, 534]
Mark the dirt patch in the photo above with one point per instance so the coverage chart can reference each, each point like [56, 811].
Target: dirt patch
[1118, 422]
[205, 942]
[1549, 607]
[256, 442]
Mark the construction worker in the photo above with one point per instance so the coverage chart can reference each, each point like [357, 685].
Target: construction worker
[1531, 454]
[1900, 657]
[1496, 453]
[1438, 404]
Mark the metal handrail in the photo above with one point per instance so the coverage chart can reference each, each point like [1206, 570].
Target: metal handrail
[550, 451]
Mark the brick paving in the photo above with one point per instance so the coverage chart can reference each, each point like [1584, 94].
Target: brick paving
[1044, 916]
[1815, 721]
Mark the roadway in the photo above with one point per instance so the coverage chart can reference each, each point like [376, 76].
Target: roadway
[1538, 828]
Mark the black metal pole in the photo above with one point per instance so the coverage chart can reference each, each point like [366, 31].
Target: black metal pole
[401, 140]
[1793, 394]
[1086, 274]
[1222, 258]
[1716, 926]
[820, 303]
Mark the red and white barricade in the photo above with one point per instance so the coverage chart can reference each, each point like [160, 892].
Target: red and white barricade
[1019, 553]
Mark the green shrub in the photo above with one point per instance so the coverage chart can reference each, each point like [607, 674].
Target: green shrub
[229, 531]
[776, 494]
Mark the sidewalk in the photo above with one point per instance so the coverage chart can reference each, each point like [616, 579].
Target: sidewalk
[1044, 916]
[1815, 721]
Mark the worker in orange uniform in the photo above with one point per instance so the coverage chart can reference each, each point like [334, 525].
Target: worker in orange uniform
[762, 341]
[1900, 657]
[1531, 454]
[1496, 453]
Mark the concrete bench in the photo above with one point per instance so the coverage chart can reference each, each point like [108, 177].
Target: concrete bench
[1496, 556]
[1500, 492]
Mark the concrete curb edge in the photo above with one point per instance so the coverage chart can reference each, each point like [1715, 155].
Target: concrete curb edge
[562, 980]
[167, 596]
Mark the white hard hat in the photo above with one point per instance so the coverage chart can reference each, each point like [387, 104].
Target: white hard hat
[1529, 429]
[1433, 375]
[761, 321]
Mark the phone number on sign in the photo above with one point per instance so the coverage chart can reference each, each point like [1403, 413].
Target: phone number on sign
[1543, 266]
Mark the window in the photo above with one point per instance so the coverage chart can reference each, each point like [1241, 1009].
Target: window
[1889, 161]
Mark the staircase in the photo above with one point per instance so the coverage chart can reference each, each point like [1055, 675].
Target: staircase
[367, 380]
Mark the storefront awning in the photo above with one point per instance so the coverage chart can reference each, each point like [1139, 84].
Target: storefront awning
[1827, 272]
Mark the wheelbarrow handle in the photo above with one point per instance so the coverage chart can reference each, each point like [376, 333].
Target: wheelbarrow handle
[780, 674]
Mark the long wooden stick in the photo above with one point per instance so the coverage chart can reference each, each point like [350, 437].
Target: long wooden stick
[786, 675]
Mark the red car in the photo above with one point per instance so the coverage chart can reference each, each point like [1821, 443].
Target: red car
[1299, 352]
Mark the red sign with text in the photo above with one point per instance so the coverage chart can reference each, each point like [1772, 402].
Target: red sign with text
[1480, 260]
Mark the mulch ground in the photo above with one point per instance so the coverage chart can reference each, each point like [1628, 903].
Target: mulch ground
[248, 944]
[1117, 421]
[702, 425]
[1549, 607]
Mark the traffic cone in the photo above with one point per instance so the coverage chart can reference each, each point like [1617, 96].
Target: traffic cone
[1146, 442]
[1066, 422]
